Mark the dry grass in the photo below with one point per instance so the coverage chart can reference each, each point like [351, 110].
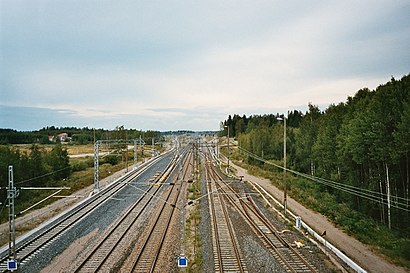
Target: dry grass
[79, 149]
[26, 147]
[72, 149]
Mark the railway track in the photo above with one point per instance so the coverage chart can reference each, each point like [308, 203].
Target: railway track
[290, 258]
[148, 250]
[96, 259]
[227, 255]
[28, 249]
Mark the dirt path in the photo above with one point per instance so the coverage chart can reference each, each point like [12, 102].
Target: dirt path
[354, 249]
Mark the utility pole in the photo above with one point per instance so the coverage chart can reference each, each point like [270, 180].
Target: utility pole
[141, 148]
[98, 143]
[126, 150]
[229, 151]
[285, 195]
[228, 147]
[285, 190]
[96, 182]
[153, 148]
[388, 196]
[135, 152]
[11, 195]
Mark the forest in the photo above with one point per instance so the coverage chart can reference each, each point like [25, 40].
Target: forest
[362, 143]
[36, 167]
[77, 135]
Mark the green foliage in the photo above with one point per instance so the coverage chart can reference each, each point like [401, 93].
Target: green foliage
[82, 138]
[112, 159]
[305, 139]
[37, 168]
[59, 161]
[78, 135]
[392, 243]
[365, 143]
[239, 125]
[402, 134]
[81, 164]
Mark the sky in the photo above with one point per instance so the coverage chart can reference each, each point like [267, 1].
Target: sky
[186, 65]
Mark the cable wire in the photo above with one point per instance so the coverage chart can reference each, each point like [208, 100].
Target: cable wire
[360, 192]
[41, 176]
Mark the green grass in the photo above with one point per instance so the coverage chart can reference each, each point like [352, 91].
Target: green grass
[193, 236]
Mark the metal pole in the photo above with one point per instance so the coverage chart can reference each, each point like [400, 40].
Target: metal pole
[96, 183]
[126, 150]
[11, 194]
[228, 150]
[285, 201]
[141, 149]
[135, 152]
[388, 196]
[153, 150]
[218, 155]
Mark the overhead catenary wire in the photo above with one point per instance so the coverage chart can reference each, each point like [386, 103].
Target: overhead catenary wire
[4, 205]
[347, 188]
[319, 178]
[42, 176]
[360, 192]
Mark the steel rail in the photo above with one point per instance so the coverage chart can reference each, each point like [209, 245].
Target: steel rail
[291, 258]
[135, 209]
[145, 261]
[214, 227]
[224, 220]
[49, 233]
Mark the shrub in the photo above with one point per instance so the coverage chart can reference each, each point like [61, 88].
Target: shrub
[81, 164]
[112, 159]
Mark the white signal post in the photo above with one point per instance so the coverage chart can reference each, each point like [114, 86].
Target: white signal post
[11, 195]
[97, 145]
[228, 147]
[285, 201]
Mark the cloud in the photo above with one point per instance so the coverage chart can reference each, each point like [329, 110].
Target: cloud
[177, 64]
[32, 118]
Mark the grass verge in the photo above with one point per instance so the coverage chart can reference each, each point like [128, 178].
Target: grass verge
[193, 236]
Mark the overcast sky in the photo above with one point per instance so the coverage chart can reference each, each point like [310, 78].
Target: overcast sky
[169, 65]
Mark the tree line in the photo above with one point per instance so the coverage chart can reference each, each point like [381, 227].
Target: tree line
[77, 135]
[363, 142]
[34, 168]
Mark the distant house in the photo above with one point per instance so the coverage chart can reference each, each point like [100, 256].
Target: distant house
[63, 137]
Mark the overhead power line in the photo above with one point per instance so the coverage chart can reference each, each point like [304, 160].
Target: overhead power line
[42, 176]
[399, 202]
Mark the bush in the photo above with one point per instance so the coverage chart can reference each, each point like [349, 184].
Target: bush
[112, 159]
[81, 164]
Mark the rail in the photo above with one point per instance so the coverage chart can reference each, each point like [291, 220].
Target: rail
[226, 249]
[289, 257]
